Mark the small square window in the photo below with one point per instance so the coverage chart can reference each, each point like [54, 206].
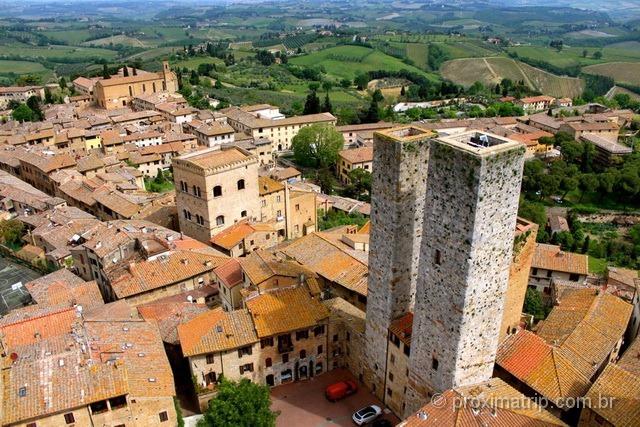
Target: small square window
[163, 416]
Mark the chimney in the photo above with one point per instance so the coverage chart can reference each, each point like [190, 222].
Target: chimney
[184, 261]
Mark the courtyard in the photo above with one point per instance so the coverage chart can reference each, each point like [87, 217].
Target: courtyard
[303, 403]
[12, 278]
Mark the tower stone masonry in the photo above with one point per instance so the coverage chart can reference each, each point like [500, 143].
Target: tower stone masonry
[470, 209]
[397, 205]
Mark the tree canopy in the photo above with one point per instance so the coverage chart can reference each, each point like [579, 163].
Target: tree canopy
[317, 146]
[240, 404]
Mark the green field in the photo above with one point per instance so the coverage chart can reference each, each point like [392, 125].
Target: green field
[57, 52]
[21, 67]
[572, 56]
[623, 72]
[348, 61]
[115, 40]
[491, 71]
[192, 63]
[69, 36]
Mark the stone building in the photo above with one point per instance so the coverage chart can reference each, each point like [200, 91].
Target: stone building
[19, 94]
[551, 263]
[214, 189]
[524, 246]
[117, 92]
[354, 158]
[265, 121]
[399, 184]
[468, 231]
[261, 342]
[85, 367]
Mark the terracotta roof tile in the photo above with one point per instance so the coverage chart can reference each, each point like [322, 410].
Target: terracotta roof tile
[217, 330]
[491, 403]
[285, 310]
[165, 270]
[551, 257]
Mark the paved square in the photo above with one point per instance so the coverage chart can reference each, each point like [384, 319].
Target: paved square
[303, 403]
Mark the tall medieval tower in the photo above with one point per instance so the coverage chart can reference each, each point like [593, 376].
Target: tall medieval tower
[470, 209]
[399, 184]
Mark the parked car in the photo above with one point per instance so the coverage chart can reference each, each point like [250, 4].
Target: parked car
[366, 414]
[340, 390]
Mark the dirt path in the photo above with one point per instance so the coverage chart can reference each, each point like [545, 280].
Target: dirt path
[526, 78]
[490, 68]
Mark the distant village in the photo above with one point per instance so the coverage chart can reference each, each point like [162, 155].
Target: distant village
[229, 274]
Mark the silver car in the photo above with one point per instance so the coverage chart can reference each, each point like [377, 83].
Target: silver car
[366, 414]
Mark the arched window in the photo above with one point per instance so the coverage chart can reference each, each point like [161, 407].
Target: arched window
[130, 91]
[220, 220]
[184, 212]
[268, 362]
[243, 214]
[303, 354]
[241, 184]
[217, 191]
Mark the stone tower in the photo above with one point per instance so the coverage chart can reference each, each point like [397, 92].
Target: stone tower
[471, 204]
[399, 178]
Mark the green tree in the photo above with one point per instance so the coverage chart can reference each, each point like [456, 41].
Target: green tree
[240, 404]
[361, 81]
[218, 84]
[326, 181]
[585, 52]
[11, 231]
[105, 72]
[48, 97]
[317, 146]
[587, 183]
[22, 113]
[34, 103]
[312, 103]
[359, 182]
[373, 113]
[345, 83]
[125, 71]
[597, 55]
[533, 303]
[327, 107]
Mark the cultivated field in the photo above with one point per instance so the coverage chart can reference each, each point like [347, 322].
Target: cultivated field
[115, 40]
[347, 61]
[491, 71]
[572, 56]
[624, 72]
[57, 52]
[21, 67]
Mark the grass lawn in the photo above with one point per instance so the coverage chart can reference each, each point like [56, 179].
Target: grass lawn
[597, 265]
[155, 187]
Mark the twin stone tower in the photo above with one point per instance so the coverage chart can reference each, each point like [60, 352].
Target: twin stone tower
[442, 227]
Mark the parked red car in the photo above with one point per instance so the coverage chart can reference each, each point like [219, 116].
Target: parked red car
[340, 390]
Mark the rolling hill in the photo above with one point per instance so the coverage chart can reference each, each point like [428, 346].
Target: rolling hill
[623, 72]
[492, 70]
[347, 61]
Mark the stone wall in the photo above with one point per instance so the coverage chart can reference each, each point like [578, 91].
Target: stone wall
[469, 224]
[524, 248]
[399, 181]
